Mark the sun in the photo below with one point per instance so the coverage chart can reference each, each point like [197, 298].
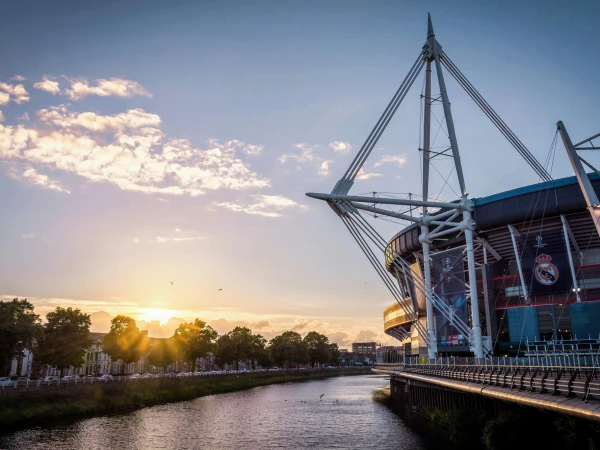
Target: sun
[160, 314]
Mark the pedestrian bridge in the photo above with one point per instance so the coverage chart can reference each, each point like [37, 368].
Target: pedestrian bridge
[561, 384]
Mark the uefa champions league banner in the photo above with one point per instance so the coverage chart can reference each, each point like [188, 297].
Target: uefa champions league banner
[545, 263]
[448, 278]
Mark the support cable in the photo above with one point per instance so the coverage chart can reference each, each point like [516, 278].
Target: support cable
[398, 262]
[382, 273]
[494, 117]
[385, 118]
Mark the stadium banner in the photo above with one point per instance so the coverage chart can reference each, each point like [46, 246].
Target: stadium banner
[546, 263]
[448, 278]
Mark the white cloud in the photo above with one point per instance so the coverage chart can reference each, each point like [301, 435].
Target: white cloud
[253, 150]
[1, 116]
[59, 116]
[340, 147]
[263, 205]
[136, 241]
[48, 85]
[164, 200]
[390, 160]
[306, 154]
[15, 92]
[166, 240]
[28, 236]
[33, 176]
[18, 78]
[362, 175]
[138, 157]
[324, 169]
[24, 117]
[119, 87]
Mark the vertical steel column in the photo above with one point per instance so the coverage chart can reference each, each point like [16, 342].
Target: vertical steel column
[475, 323]
[449, 121]
[518, 258]
[486, 295]
[568, 244]
[467, 216]
[432, 347]
[591, 199]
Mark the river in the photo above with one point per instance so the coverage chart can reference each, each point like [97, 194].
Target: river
[290, 415]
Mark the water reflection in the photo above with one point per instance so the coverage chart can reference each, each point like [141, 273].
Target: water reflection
[278, 416]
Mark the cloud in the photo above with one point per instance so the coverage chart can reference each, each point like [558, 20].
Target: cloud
[264, 205]
[324, 169]
[119, 87]
[390, 160]
[362, 175]
[340, 338]
[164, 200]
[340, 147]
[253, 150]
[28, 236]
[165, 240]
[158, 330]
[223, 326]
[16, 92]
[306, 154]
[132, 119]
[366, 336]
[24, 117]
[48, 85]
[1, 116]
[129, 150]
[18, 78]
[33, 176]
[136, 241]
[100, 322]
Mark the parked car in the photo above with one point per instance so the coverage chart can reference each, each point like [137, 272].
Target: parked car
[135, 376]
[70, 379]
[6, 382]
[146, 376]
[51, 379]
[106, 377]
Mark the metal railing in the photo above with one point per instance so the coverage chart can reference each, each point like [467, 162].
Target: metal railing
[567, 375]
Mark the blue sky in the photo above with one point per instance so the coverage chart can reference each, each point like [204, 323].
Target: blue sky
[282, 78]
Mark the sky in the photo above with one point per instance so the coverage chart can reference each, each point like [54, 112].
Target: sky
[144, 143]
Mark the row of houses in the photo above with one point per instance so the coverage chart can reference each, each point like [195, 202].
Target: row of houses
[96, 362]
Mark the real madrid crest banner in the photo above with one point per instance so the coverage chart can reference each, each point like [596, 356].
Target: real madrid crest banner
[545, 263]
[448, 278]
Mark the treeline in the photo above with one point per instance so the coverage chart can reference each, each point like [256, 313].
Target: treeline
[65, 338]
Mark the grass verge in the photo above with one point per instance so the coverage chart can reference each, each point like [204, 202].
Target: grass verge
[43, 407]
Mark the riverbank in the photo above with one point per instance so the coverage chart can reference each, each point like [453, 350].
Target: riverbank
[28, 409]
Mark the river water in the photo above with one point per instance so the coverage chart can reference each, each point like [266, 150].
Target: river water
[290, 415]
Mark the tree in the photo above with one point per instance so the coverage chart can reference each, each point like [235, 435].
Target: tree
[195, 340]
[19, 329]
[240, 344]
[288, 349]
[162, 353]
[318, 348]
[66, 338]
[125, 341]
[334, 354]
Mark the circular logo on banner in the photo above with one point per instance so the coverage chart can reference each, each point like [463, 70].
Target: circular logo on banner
[545, 272]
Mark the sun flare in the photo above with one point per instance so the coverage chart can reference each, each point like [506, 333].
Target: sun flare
[160, 314]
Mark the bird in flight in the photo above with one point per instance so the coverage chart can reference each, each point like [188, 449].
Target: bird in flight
[321, 397]
[171, 282]
[220, 290]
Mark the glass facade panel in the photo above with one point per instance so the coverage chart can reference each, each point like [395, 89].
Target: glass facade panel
[523, 324]
[585, 319]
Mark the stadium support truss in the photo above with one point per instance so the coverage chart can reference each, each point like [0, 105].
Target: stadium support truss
[447, 219]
